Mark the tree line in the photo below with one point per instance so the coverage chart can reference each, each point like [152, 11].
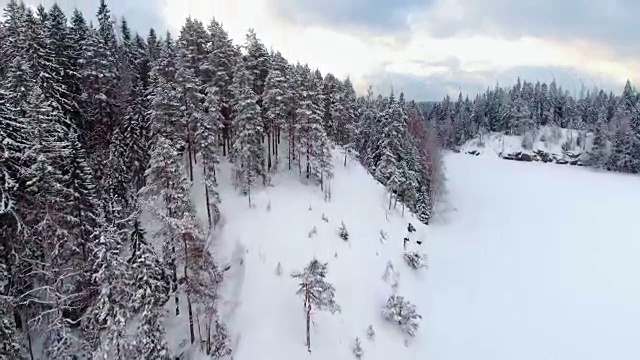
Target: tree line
[613, 121]
[99, 126]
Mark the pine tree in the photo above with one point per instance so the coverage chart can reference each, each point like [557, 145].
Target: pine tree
[316, 291]
[247, 143]
[152, 292]
[107, 318]
[388, 169]
[275, 101]
[191, 104]
[165, 196]
[221, 63]
[209, 127]
[312, 142]
[256, 62]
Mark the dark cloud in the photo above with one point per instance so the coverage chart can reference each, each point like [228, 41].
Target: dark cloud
[455, 80]
[381, 16]
[140, 14]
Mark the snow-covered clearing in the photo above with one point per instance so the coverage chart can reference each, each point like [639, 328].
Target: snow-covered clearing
[538, 261]
[529, 261]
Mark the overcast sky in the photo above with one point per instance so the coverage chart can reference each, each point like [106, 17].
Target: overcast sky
[427, 48]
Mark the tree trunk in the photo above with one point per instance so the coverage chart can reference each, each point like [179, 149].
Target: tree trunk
[174, 285]
[186, 284]
[345, 158]
[269, 150]
[209, 336]
[29, 342]
[190, 162]
[206, 195]
[308, 301]
[390, 198]
[190, 310]
[249, 193]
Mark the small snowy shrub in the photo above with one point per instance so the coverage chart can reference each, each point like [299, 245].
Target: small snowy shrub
[567, 145]
[342, 231]
[371, 335]
[415, 259]
[313, 232]
[220, 344]
[269, 206]
[325, 218]
[383, 236]
[391, 276]
[402, 312]
[279, 269]
[357, 348]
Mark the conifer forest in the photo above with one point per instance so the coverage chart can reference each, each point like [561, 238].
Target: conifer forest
[104, 131]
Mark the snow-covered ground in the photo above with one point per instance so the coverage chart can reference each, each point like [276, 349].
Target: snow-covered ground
[547, 139]
[527, 262]
[536, 262]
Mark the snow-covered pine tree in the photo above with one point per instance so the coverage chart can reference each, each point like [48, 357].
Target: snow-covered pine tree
[191, 104]
[312, 142]
[347, 122]
[275, 102]
[164, 105]
[402, 312]
[257, 63]
[151, 293]
[150, 343]
[388, 168]
[167, 196]
[316, 291]
[221, 63]
[105, 322]
[208, 130]
[164, 196]
[247, 148]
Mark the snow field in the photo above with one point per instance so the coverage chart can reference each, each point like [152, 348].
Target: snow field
[537, 262]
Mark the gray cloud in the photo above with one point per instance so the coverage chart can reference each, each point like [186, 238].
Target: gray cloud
[374, 15]
[141, 15]
[436, 86]
[609, 22]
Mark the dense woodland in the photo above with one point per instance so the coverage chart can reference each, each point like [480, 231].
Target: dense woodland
[613, 121]
[99, 126]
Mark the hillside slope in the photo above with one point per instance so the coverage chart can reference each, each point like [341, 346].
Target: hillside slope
[265, 315]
